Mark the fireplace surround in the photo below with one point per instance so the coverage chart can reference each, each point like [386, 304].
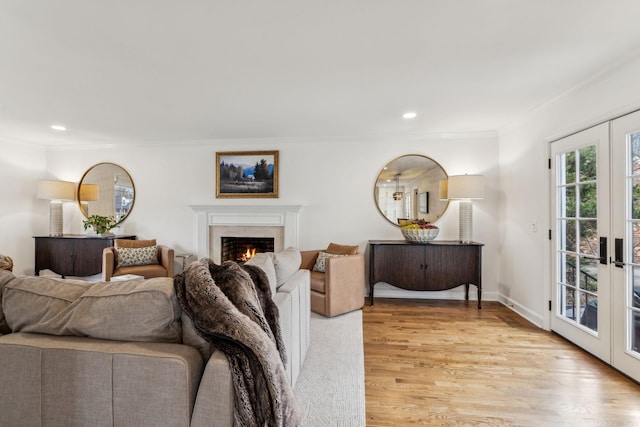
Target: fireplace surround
[215, 221]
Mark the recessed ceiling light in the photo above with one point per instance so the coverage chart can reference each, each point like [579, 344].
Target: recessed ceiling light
[58, 127]
[409, 115]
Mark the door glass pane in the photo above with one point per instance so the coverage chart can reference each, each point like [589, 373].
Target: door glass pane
[589, 244]
[568, 266]
[588, 201]
[635, 289]
[568, 160]
[635, 331]
[568, 302]
[636, 242]
[589, 274]
[589, 308]
[567, 229]
[567, 201]
[588, 163]
[634, 153]
[635, 199]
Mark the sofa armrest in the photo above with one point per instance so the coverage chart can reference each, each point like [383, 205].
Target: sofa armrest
[343, 267]
[165, 258]
[345, 276]
[214, 402]
[108, 263]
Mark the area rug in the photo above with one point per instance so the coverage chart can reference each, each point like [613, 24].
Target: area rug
[330, 388]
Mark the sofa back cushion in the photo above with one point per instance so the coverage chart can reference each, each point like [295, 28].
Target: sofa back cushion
[286, 263]
[128, 243]
[136, 310]
[35, 304]
[337, 249]
[264, 260]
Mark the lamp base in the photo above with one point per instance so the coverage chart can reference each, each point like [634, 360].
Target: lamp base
[55, 218]
[465, 225]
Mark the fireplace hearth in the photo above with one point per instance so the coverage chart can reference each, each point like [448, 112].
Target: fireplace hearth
[241, 249]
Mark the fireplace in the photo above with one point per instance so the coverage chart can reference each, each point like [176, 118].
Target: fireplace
[279, 222]
[241, 249]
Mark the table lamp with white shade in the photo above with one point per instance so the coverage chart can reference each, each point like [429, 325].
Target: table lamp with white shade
[88, 193]
[443, 190]
[465, 188]
[57, 192]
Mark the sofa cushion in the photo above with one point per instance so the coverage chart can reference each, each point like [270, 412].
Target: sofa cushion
[80, 381]
[128, 243]
[34, 304]
[146, 271]
[136, 310]
[320, 265]
[317, 282]
[136, 256]
[286, 263]
[335, 248]
[5, 277]
[265, 262]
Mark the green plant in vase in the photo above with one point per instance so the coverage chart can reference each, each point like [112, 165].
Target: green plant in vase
[100, 224]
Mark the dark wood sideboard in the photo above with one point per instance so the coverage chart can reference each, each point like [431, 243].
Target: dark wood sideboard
[73, 254]
[434, 266]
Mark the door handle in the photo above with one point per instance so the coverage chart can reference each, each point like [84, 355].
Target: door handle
[618, 259]
[603, 250]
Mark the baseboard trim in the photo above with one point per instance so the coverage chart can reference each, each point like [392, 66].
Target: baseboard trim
[521, 310]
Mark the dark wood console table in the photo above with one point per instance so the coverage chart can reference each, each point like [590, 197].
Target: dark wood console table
[434, 266]
[72, 254]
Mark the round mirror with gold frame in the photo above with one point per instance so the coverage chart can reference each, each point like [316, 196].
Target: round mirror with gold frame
[106, 189]
[408, 187]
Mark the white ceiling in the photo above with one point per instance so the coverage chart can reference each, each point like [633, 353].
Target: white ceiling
[158, 71]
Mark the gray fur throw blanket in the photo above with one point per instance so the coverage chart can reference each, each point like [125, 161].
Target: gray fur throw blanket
[231, 307]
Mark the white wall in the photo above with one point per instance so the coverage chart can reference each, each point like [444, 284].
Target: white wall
[21, 214]
[524, 182]
[333, 179]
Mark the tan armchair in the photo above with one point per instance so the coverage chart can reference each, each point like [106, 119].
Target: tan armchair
[340, 288]
[163, 268]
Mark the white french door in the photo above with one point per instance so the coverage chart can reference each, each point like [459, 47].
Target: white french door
[581, 294]
[625, 137]
[596, 241]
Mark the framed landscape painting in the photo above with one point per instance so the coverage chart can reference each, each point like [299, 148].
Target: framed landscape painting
[247, 174]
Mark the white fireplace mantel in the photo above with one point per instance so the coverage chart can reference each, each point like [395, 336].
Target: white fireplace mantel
[286, 216]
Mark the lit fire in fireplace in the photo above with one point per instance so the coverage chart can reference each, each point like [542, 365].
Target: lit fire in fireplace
[248, 254]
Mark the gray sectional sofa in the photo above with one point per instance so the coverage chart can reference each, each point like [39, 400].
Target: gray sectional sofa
[75, 353]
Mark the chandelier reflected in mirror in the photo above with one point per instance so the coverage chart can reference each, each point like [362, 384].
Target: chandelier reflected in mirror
[397, 195]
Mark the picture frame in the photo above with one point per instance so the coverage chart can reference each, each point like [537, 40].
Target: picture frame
[423, 202]
[247, 174]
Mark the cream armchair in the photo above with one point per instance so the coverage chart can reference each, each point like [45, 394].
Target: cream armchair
[340, 288]
[113, 266]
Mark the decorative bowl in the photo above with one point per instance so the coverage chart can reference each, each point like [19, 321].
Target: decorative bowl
[420, 235]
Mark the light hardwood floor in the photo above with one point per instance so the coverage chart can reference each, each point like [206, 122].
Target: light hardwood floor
[433, 362]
